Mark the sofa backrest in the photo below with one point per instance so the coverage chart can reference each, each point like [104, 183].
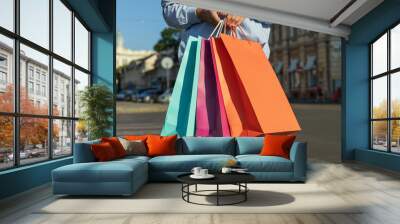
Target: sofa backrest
[83, 152]
[206, 145]
[249, 145]
[190, 146]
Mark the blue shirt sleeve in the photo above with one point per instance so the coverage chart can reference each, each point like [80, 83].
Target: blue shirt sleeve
[256, 31]
[178, 15]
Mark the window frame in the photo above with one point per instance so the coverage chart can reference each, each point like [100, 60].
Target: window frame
[16, 114]
[388, 74]
[3, 69]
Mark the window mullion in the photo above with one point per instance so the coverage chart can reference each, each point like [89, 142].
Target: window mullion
[50, 81]
[73, 82]
[389, 101]
[16, 84]
[371, 140]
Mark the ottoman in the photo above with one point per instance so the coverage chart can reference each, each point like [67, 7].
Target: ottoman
[119, 177]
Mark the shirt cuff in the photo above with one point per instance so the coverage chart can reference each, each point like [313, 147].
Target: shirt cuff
[191, 15]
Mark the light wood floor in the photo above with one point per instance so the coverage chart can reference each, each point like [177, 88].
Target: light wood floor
[378, 189]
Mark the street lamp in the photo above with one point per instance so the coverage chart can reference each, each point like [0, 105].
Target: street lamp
[167, 63]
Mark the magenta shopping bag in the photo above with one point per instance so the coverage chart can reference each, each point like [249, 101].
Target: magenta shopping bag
[210, 111]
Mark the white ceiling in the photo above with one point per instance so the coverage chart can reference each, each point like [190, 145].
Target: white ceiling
[324, 9]
[315, 15]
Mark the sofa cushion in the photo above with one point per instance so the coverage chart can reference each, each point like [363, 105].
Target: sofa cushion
[185, 163]
[206, 145]
[257, 163]
[112, 171]
[277, 145]
[103, 152]
[249, 145]
[135, 137]
[116, 145]
[134, 147]
[161, 145]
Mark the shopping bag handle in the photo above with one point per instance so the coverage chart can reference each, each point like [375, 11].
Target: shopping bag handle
[221, 28]
[217, 30]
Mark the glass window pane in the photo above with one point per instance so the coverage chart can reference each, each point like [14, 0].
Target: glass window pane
[395, 47]
[395, 136]
[395, 94]
[81, 82]
[34, 96]
[379, 56]
[81, 45]
[6, 74]
[81, 131]
[6, 142]
[33, 140]
[62, 29]
[379, 97]
[7, 14]
[62, 138]
[35, 21]
[62, 89]
[379, 135]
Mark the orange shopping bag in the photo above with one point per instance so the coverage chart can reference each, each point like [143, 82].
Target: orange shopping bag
[241, 117]
[263, 91]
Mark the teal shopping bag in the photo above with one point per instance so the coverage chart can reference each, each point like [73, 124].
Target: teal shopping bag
[181, 114]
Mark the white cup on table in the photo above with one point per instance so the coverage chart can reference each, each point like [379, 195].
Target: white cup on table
[196, 171]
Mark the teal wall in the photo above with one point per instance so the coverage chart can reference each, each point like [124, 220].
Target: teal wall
[103, 64]
[24, 178]
[100, 17]
[104, 52]
[356, 103]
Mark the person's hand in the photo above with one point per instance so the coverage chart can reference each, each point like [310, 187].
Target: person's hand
[233, 21]
[222, 15]
[208, 16]
[214, 17]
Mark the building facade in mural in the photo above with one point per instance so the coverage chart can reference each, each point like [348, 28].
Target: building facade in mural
[126, 55]
[307, 63]
[138, 69]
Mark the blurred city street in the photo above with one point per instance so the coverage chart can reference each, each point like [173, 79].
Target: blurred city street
[320, 125]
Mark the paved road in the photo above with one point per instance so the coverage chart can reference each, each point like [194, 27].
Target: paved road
[140, 123]
[320, 128]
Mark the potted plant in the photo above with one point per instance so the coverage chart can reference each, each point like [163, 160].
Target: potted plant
[97, 104]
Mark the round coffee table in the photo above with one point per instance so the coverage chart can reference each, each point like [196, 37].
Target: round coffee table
[238, 179]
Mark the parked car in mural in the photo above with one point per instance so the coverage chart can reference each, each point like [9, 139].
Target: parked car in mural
[165, 97]
[126, 95]
[149, 95]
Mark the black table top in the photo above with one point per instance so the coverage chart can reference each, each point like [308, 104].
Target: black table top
[220, 178]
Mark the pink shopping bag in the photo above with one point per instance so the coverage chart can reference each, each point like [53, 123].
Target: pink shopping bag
[211, 117]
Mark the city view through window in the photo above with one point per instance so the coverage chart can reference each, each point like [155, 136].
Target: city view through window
[40, 81]
[385, 94]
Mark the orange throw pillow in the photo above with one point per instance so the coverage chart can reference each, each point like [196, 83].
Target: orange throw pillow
[103, 152]
[161, 145]
[116, 145]
[135, 137]
[277, 145]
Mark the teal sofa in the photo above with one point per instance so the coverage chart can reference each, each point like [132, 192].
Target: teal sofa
[125, 176]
